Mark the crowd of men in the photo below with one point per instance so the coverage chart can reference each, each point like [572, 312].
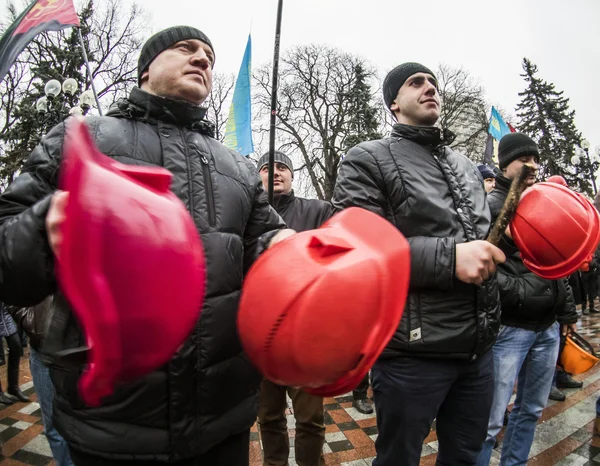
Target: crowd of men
[476, 319]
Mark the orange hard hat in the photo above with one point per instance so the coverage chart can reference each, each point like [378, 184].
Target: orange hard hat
[131, 264]
[578, 356]
[318, 308]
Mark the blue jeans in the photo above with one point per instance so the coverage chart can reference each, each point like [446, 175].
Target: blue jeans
[530, 356]
[598, 407]
[411, 392]
[45, 395]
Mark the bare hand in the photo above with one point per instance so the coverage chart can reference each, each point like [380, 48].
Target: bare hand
[280, 236]
[476, 261]
[567, 329]
[55, 219]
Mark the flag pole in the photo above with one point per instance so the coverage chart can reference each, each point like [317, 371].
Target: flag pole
[89, 70]
[274, 102]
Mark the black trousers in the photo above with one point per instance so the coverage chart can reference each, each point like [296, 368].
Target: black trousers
[14, 357]
[411, 392]
[360, 392]
[590, 289]
[233, 451]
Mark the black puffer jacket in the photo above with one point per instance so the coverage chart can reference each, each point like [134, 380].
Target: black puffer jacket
[528, 301]
[207, 392]
[435, 197]
[302, 214]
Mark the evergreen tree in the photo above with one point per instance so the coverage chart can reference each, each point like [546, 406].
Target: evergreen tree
[544, 115]
[112, 39]
[364, 119]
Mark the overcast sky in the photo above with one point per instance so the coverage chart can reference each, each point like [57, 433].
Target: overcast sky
[487, 38]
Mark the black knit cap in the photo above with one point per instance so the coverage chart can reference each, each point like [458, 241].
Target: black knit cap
[280, 157]
[515, 145]
[398, 76]
[162, 40]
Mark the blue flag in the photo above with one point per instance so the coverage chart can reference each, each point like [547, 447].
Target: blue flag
[498, 126]
[238, 132]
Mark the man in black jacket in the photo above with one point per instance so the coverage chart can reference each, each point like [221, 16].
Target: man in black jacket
[198, 408]
[532, 309]
[438, 364]
[300, 215]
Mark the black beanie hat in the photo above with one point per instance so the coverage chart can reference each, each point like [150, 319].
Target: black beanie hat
[280, 157]
[162, 40]
[515, 145]
[398, 76]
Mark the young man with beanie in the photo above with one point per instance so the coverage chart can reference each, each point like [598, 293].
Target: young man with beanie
[489, 177]
[300, 215]
[438, 365]
[534, 313]
[198, 408]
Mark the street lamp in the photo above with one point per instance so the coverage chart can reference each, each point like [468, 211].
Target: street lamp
[56, 106]
[587, 163]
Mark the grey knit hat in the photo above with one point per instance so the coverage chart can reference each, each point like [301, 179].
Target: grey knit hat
[162, 40]
[280, 157]
[398, 76]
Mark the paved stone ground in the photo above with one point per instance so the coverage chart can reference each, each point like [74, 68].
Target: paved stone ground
[563, 437]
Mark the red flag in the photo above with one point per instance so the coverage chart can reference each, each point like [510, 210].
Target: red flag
[512, 130]
[40, 16]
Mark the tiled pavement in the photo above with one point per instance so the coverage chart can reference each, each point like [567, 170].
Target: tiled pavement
[563, 437]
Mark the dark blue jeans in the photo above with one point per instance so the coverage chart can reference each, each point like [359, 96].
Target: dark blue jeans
[411, 392]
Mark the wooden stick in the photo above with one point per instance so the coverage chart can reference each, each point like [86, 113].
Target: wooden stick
[518, 185]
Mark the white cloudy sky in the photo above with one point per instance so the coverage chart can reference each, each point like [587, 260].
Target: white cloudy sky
[489, 38]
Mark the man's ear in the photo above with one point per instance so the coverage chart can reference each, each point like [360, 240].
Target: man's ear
[144, 77]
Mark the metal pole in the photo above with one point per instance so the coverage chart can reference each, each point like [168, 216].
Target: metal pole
[274, 102]
[89, 71]
[591, 165]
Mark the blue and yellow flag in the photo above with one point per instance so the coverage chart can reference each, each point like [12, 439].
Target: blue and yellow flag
[238, 132]
[498, 126]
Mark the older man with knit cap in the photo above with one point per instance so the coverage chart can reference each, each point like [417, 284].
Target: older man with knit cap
[438, 365]
[198, 408]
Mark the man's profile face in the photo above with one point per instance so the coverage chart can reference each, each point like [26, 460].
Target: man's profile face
[181, 72]
[418, 101]
[512, 169]
[282, 178]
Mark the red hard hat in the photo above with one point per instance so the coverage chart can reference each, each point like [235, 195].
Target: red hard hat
[318, 308]
[555, 229]
[558, 180]
[131, 264]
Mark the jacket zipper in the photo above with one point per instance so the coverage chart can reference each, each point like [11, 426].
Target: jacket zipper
[210, 197]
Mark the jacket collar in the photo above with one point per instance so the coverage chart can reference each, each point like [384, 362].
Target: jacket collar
[423, 135]
[503, 183]
[142, 105]
[283, 201]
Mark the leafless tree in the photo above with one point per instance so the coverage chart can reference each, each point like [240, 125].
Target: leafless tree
[219, 101]
[315, 106]
[464, 110]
